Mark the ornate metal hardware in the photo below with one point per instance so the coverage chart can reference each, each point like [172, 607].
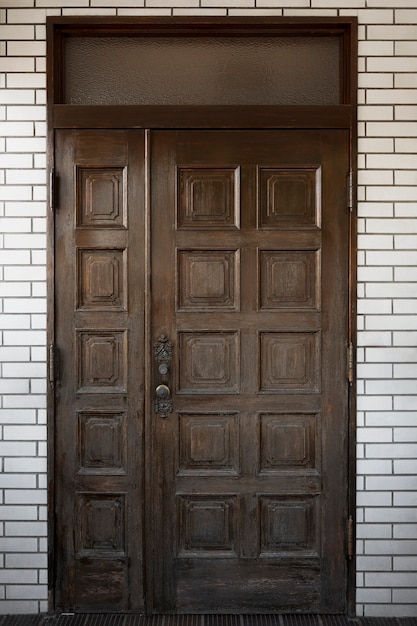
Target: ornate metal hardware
[162, 350]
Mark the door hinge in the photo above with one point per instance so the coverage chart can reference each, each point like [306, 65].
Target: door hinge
[350, 543]
[53, 361]
[52, 189]
[349, 191]
[349, 362]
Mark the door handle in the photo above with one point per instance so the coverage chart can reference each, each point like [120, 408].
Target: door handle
[162, 350]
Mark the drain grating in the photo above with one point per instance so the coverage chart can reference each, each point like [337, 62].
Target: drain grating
[201, 620]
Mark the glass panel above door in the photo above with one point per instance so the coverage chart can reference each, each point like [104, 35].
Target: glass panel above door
[200, 70]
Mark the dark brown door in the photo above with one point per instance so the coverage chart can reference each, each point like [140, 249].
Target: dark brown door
[99, 295]
[245, 456]
[249, 284]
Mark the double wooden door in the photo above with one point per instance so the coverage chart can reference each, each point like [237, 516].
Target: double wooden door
[201, 409]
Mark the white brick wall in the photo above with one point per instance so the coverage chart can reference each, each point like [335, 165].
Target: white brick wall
[387, 320]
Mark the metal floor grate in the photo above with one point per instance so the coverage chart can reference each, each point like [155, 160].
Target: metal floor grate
[201, 620]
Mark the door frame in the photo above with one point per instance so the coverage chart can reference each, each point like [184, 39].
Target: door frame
[59, 115]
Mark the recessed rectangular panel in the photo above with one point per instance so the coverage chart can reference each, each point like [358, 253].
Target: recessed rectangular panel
[290, 362]
[288, 524]
[101, 524]
[102, 279]
[289, 279]
[207, 526]
[288, 442]
[102, 442]
[101, 197]
[208, 197]
[102, 361]
[209, 362]
[209, 443]
[207, 279]
[289, 198]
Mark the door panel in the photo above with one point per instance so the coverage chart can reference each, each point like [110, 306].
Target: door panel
[99, 289]
[249, 283]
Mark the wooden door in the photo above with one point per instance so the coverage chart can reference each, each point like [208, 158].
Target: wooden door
[250, 286]
[99, 295]
[245, 322]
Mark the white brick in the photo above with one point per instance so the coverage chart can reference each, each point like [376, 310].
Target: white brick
[22, 129]
[374, 403]
[392, 579]
[27, 433]
[370, 466]
[366, 113]
[374, 370]
[26, 561]
[32, 144]
[405, 403]
[375, 48]
[373, 595]
[392, 64]
[32, 113]
[18, 607]
[375, 435]
[394, 129]
[391, 290]
[30, 48]
[25, 496]
[408, 466]
[17, 31]
[21, 416]
[16, 448]
[17, 96]
[377, 498]
[405, 563]
[17, 576]
[17, 64]
[19, 386]
[393, 32]
[405, 145]
[405, 434]
[387, 547]
[408, 596]
[393, 450]
[26, 81]
[375, 209]
[375, 177]
[376, 81]
[375, 515]
[374, 339]
[18, 513]
[25, 464]
[406, 16]
[22, 529]
[26, 591]
[14, 192]
[396, 161]
[405, 81]
[14, 321]
[374, 563]
[24, 241]
[17, 481]
[375, 242]
[377, 145]
[405, 338]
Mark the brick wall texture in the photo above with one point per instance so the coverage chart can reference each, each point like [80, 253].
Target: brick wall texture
[387, 307]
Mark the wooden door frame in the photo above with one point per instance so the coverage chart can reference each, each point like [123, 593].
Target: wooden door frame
[61, 115]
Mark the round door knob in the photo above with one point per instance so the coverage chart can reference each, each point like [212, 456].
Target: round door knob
[162, 392]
